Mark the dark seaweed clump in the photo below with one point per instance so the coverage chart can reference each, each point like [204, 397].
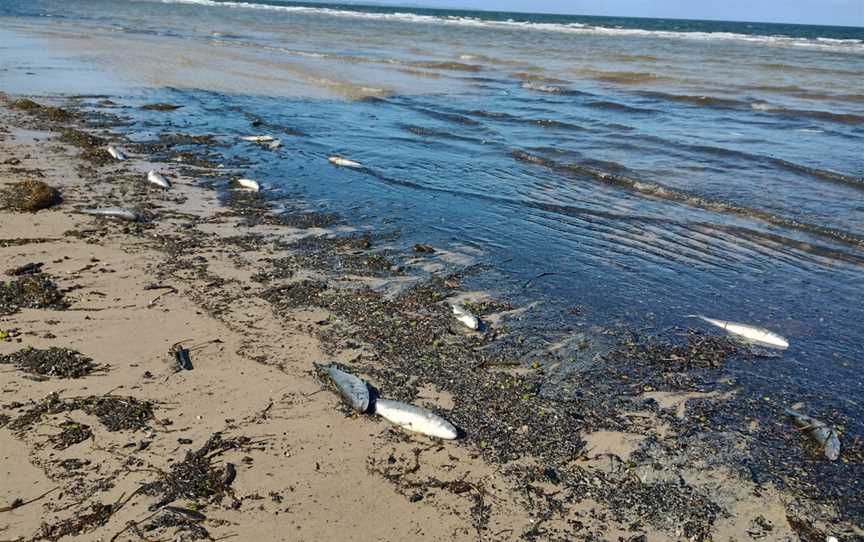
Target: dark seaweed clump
[59, 362]
[29, 196]
[160, 107]
[72, 433]
[35, 291]
[181, 520]
[114, 412]
[79, 524]
[45, 111]
[195, 477]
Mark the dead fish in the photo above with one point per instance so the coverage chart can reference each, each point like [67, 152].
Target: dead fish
[258, 138]
[158, 179]
[249, 184]
[116, 153]
[275, 144]
[229, 475]
[463, 315]
[752, 333]
[353, 390]
[344, 162]
[823, 434]
[113, 212]
[414, 418]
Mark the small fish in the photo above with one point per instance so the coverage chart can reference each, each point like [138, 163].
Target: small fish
[275, 144]
[158, 179]
[826, 436]
[113, 212]
[463, 315]
[258, 138]
[752, 333]
[249, 184]
[354, 391]
[187, 513]
[344, 162]
[415, 419]
[116, 153]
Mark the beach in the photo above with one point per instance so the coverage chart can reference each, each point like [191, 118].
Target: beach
[590, 409]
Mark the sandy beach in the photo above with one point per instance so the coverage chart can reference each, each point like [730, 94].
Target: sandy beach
[306, 468]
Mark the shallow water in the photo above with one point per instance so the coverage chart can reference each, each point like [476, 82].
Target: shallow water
[653, 169]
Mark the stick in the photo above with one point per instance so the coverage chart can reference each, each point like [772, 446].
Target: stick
[15, 505]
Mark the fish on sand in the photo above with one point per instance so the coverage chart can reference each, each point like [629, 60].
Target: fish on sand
[344, 162]
[158, 179]
[116, 153]
[354, 391]
[464, 315]
[121, 213]
[751, 333]
[414, 418]
[820, 432]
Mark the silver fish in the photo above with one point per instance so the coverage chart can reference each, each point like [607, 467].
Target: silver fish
[113, 212]
[415, 419]
[258, 138]
[116, 153]
[249, 184]
[158, 179]
[344, 162]
[823, 434]
[463, 315]
[353, 390]
[275, 144]
[751, 333]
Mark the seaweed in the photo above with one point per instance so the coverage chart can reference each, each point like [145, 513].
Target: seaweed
[59, 362]
[77, 525]
[29, 196]
[35, 291]
[80, 139]
[160, 107]
[116, 413]
[72, 433]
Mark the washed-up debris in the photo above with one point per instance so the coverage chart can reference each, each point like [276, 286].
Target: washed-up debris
[26, 269]
[464, 315]
[46, 111]
[181, 356]
[751, 333]
[820, 432]
[424, 249]
[78, 524]
[249, 184]
[116, 153]
[354, 391]
[195, 477]
[414, 418]
[115, 412]
[72, 433]
[29, 196]
[344, 162]
[275, 144]
[120, 213]
[160, 107]
[36, 291]
[59, 362]
[258, 138]
[158, 179]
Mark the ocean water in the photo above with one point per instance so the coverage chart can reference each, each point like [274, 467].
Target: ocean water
[648, 169]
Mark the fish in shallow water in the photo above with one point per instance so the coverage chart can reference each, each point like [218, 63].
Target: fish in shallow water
[823, 434]
[463, 315]
[354, 391]
[275, 144]
[258, 138]
[158, 179]
[751, 333]
[113, 212]
[415, 419]
[344, 162]
[116, 153]
[249, 184]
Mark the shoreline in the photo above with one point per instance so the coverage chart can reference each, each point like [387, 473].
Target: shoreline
[256, 290]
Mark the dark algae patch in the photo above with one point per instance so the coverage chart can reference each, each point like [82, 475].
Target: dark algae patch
[196, 477]
[59, 362]
[36, 291]
[72, 433]
[115, 412]
[29, 196]
[47, 112]
[160, 107]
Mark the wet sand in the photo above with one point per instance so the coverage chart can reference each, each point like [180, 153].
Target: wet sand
[262, 297]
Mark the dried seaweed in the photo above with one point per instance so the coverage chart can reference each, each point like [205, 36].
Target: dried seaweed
[59, 362]
[29, 196]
